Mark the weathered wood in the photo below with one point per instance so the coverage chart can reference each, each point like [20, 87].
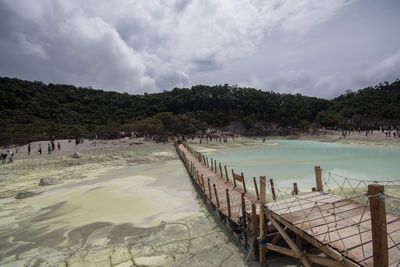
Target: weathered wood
[341, 228]
[220, 170]
[295, 190]
[212, 164]
[299, 242]
[208, 165]
[244, 220]
[226, 173]
[209, 189]
[262, 233]
[327, 250]
[313, 258]
[234, 180]
[289, 241]
[216, 195]
[256, 188]
[272, 189]
[202, 183]
[254, 229]
[318, 180]
[228, 203]
[244, 183]
[378, 225]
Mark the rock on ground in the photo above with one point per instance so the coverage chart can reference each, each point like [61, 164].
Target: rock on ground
[77, 155]
[49, 181]
[25, 194]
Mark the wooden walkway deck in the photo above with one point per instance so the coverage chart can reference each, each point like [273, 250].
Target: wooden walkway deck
[335, 225]
[210, 179]
[339, 227]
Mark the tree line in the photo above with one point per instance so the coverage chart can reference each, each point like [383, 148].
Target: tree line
[30, 110]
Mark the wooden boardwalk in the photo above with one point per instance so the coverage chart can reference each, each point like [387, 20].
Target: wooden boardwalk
[339, 227]
[349, 233]
[211, 178]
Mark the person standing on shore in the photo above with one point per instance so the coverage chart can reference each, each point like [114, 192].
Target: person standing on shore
[29, 148]
[3, 157]
[40, 149]
[49, 149]
[11, 156]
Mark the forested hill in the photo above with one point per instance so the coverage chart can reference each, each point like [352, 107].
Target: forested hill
[32, 109]
[366, 108]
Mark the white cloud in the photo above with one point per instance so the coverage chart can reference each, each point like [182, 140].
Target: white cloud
[28, 47]
[136, 46]
[387, 69]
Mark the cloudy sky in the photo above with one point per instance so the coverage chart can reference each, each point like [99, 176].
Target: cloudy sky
[315, 47]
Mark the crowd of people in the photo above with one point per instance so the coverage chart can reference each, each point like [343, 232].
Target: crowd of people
[51, 146]
[390, 131]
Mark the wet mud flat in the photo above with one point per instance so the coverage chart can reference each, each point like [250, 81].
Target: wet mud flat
[129, 206]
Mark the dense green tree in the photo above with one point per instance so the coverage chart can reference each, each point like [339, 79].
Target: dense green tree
[29, 110]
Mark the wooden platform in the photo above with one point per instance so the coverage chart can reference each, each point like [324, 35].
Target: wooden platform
[335, 223]
[339, 227]
[221, 185]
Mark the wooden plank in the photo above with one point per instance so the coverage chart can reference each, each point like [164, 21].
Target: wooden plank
[256, 188]
[262, 233]
[327, 250]
[228, 203]
[289, 241]
[271, 181]
[378, 225]
[318, 180]
[295, 189]
[244, 220]
[216, 195]
[313, 258]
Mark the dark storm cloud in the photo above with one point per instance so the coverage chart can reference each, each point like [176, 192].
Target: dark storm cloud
[147, 46]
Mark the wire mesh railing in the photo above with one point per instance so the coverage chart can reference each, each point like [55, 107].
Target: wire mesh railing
[339, 214]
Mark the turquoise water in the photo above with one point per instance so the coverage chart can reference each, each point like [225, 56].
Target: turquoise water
[288, 161]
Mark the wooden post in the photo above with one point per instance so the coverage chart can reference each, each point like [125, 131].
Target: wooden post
[299, 242]
[244, 220]
[226, 173]
[216, 195]
[256, 188]
[234, 180]
[272, 189]
[262, 217]
[254, 225]
[209, 189]
[220, 169]
[295, 190]
[212, 165]
[202, 183]
[208, 166]
[378, 225]
[244, 183]
[228, 202]
[204, 160]
[215, 166]
[318, 180]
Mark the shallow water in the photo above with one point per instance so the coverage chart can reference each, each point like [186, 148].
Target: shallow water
[116, 206]
[288, 161]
